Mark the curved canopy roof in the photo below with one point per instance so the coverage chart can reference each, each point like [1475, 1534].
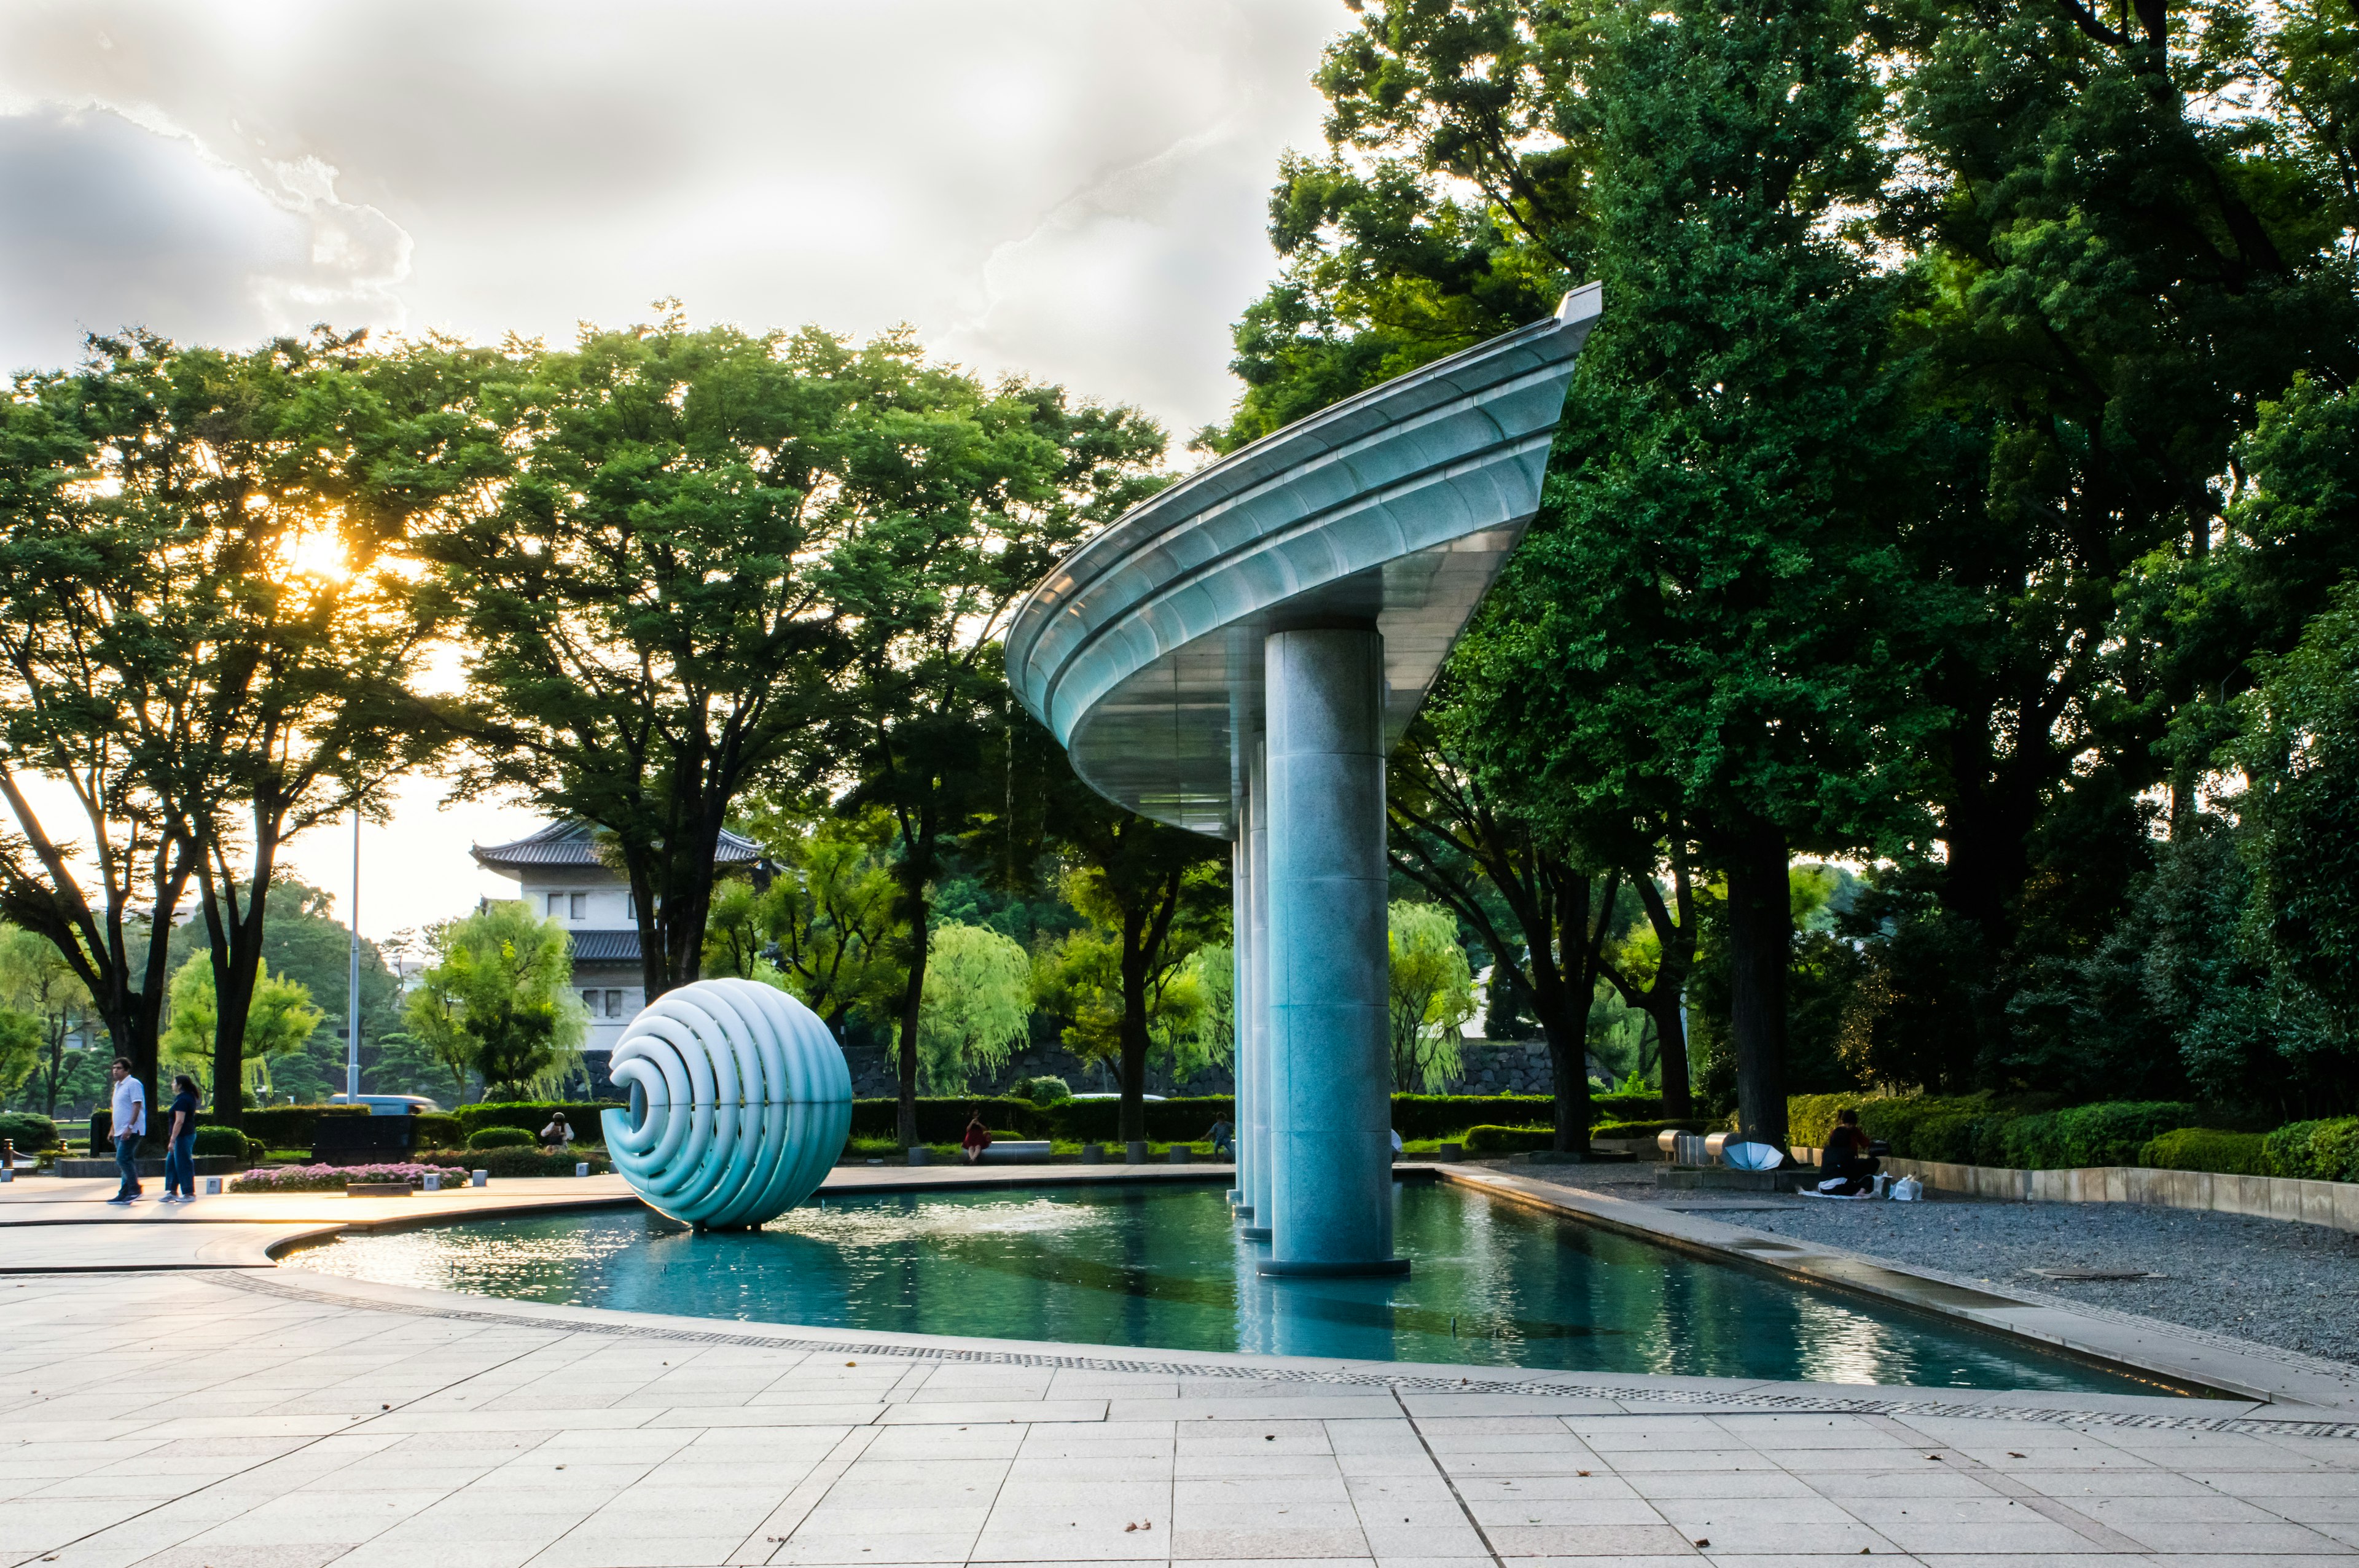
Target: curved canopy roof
[573, 844]
[1142, 651]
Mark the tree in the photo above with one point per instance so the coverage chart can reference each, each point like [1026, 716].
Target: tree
[826, 925]
[500, 1000]
[279, 1020]
[978, 1004]
[1432, 995]
[1152, 894]
[1545, 920]
[234, 604]
[971, 496]
[36, 982]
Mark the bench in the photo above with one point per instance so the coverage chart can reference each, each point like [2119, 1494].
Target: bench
[1011, 1150]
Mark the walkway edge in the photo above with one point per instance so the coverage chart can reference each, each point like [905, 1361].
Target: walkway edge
[2175, 1356]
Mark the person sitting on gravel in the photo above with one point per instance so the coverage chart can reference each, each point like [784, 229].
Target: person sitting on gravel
[1848, 1168]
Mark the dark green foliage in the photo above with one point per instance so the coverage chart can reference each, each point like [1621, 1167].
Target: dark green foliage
[2206, 1149]
[29, 1132]
[500, 1138]
[1045, 1089]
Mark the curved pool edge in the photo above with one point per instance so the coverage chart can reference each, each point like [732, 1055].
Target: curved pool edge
[2188, 1364]
[1469, 1389]
[2204, 1366]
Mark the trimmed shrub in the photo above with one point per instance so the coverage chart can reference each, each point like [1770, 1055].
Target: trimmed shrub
[2205, 1148]
[226, 1141]
[2335, 1152]
[1046, 1089]
[2111, 1132]
[513, 1161]
[28, 1132]
[2325, 1151]
[1508, 1140]
[533, 1115]
[440, 1130]
[1650, 1130]
[500, 1138]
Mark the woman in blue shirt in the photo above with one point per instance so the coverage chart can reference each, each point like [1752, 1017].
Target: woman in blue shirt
[180, 1158]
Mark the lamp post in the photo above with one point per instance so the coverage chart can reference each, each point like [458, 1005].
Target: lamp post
[352, 978]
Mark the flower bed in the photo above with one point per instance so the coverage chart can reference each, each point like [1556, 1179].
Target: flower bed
[332, 1178]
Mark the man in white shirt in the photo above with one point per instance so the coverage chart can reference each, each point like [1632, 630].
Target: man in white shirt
[130, 1125]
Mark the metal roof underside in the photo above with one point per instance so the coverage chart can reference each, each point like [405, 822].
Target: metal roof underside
[1142, 652]
[606, 946]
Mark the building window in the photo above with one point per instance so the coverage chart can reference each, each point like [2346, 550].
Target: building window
[613, 1004]
[579, 909]
[589, 1004]
[556, 904]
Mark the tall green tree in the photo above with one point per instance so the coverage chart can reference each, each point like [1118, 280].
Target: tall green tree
[500, 1000]
[1430, 995]
[977, 1007]
[224, 587]
[1152, 895]
[280, 1022]
[975, 491]
[36, 982]
[827, 925]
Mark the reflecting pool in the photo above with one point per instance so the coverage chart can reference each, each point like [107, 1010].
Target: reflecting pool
[1491, 1284]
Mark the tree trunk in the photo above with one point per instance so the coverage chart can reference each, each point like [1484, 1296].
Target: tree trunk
[1562, 1009]
[1667, 1009]
[1760, 943]
[904, 1118]
[1134, 1033]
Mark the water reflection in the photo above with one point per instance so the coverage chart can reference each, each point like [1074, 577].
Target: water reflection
[1492, 1285]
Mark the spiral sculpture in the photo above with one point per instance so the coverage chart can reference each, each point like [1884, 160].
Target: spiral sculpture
[740, 1102]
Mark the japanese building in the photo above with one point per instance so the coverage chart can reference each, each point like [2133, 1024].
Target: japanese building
[562, 876]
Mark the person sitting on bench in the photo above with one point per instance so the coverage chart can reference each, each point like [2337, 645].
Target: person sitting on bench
[1846, 1166]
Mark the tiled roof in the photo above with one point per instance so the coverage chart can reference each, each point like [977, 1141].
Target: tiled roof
[570, 844]
[606, 946]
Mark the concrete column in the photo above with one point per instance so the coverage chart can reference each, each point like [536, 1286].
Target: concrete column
[1325, 1000]
[1257, 1010]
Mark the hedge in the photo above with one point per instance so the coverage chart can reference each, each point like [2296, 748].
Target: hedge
[529, 1161]
[28, 1132]
[280, 1126]
[499, 1138]
[1508, 1140]
[533, 1115]
[275, 1127]
[226, 1141]
[1648, 1130]
[942, 1119]
[2205, 1148]
[439, 1130]
[2112, 1132]
[2314, 1150]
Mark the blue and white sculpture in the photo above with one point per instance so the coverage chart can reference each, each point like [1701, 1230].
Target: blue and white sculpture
[740, 1103]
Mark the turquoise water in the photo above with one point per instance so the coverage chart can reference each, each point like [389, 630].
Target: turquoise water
[1492, 1285]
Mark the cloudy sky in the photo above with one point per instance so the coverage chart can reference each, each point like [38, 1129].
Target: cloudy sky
[1070, 189]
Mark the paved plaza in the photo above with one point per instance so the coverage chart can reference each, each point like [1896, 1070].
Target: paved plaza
[235, 1415]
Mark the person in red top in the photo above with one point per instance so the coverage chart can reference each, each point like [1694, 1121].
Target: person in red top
[977, 1139]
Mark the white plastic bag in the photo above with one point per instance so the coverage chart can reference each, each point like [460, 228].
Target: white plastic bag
[1907, 1189]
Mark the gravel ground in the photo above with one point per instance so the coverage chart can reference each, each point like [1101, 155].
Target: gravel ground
[2294, 1286]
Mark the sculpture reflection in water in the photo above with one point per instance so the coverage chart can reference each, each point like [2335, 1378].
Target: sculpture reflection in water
[740, 1104]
